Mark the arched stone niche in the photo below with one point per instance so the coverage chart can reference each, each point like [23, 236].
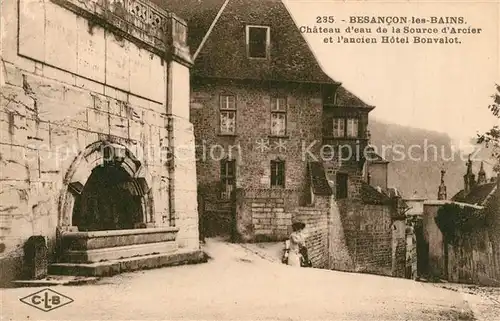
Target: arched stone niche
[104, 153]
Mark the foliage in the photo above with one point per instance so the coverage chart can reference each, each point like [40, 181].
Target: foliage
[492, 210]
[455, 221]
[491, 138]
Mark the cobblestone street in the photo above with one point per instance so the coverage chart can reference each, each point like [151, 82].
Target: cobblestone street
[237, 283]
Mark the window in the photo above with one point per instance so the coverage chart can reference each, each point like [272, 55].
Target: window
[227, 176]
[277, 173]
[227, 114]
[346, 127]
[352, 127]
[278, 116]
[338, 127]
[341, 186]
[258, 39]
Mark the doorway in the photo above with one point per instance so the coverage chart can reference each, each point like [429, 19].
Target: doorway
[109, 201]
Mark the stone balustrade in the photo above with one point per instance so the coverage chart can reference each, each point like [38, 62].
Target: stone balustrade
[137, 20]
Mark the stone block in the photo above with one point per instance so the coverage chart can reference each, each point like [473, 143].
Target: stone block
[32, 164]
[13, 160]
[91, 46]
[63, 139]
[37, 134]
[89, 85]
[58, 74]
[85, 138]
[12, 75]
[115, 93]
[116, 107]
[100, 102]
[136, 129]
[32, 17]
[14, 198]
[49, 163]
[14, 99]
[117, 62]
[118, 126]
[98, 121]
[75, 96]
[60, 37]
[44, 87]
[158, 76]
[140, 68]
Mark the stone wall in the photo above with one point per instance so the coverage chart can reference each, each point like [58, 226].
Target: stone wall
[316, 220]
[369, 236]
[473, 257]
[67, 86]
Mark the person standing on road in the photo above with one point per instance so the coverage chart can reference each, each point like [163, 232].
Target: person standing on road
[297, 241]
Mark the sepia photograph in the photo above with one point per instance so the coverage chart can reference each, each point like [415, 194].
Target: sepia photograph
[250, 160]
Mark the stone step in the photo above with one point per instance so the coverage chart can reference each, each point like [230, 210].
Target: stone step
[112, 267]
[54, 280]
[119, 252]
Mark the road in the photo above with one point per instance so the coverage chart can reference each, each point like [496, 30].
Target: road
[238, 284]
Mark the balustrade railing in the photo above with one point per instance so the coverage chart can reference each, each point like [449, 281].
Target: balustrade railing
[152, 24]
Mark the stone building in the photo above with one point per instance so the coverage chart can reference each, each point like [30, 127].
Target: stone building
[96, 147]
[269, 126]
[473, 255]
[256, 99]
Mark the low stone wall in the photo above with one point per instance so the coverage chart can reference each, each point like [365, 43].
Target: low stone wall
[316, 220]
[269, 218]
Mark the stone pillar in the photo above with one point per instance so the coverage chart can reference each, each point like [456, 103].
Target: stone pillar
[182, 164]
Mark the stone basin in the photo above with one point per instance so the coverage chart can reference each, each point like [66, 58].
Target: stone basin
[81, 241]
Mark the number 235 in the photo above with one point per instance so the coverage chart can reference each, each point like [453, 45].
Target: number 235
[325, 19]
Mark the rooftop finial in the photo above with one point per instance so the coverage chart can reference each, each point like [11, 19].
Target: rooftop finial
[469, 177]
[442, 195]
[481, 176]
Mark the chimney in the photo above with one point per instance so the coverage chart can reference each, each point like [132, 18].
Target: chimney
[442, 188]
[481, 176]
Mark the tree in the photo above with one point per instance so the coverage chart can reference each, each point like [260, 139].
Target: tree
[491, 138]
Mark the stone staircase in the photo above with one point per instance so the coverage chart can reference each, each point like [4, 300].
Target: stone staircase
[105, 253]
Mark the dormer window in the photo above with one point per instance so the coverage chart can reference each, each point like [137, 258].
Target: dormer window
[258, 40]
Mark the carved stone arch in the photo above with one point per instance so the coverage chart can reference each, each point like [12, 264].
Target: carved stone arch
[97, 154]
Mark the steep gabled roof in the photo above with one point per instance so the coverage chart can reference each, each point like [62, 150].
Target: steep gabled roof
[224, 53]
[477, 196]
[344, 98]
[370, 195]
[319, 182]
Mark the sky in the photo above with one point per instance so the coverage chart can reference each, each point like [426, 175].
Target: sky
[440, 87]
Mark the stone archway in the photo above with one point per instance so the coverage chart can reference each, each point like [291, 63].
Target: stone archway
[106, 188]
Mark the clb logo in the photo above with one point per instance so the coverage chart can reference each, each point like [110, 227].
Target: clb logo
[46, 300]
